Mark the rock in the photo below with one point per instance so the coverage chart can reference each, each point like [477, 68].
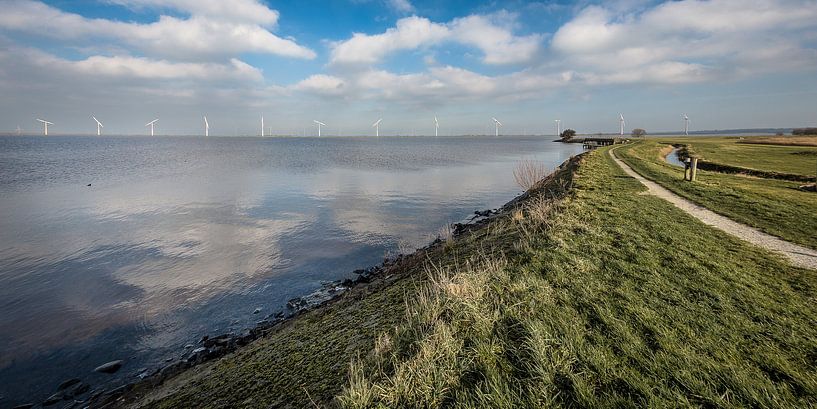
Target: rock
[80, 389]
[189, 346]
[66, 384]
[88, 184]
[24, 406]
[257, 310]
[347, 283]
[53, 399]
[170, 359]
[110, 367]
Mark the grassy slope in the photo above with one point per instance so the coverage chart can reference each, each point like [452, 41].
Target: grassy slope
[776, 207]
[618, 300]
[608, 299]
[799, 160]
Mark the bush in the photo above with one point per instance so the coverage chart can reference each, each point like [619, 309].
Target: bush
[567, 134]
[528, 173]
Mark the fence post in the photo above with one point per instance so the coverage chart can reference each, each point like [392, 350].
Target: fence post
[686, 168]
[694, 171]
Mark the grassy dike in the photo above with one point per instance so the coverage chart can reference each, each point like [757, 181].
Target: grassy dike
[776, 207]
[605, 297]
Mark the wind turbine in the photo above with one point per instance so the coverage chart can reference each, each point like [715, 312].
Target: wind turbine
[150, 124]
[99, 126]
[621, 123]
[436, 126]
[497, 124]
[45, 126]
[262, 125]
[320, 124]
[19, 130]
[376, 125]
[686, 124]
[206, 127]
[558, 126]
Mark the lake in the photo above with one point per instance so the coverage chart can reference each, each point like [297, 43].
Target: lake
[131, 247]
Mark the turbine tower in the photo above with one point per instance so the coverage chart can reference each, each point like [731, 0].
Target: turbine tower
[621, 124]
[686, 124]
[150, 124]
[45, 126]
[262, 125]
[99, 126]
[558, 126]
[376, 126]
[320, 124]
[206, 127]
[436, 126]
[497, 124]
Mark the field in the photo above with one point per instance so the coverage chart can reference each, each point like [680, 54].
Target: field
[776, 207]
[604, 298]
[757, 153]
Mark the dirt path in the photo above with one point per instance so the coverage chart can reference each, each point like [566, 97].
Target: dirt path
[798, 255]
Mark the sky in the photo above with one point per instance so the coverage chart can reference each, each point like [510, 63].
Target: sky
[724, 63]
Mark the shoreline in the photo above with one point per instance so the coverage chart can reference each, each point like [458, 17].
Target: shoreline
[214, 347]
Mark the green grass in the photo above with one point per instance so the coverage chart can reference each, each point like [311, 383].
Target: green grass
[798, 160]
[615, 300]
[607, 298]
[776, 207]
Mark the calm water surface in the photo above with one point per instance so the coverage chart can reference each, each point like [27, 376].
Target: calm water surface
[180, 237]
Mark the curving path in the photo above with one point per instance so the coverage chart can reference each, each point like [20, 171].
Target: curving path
[798, 255]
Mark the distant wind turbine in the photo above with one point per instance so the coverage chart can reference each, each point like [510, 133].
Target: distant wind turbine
[376, 125]
[686, 124]
[262, 125]
[99, 126]
[436, 126]
[497, 124]
[19, 130]
[151, 124]
[320, 124]
[45, 126]
[206, 127]
[558, 126]
[621, 124]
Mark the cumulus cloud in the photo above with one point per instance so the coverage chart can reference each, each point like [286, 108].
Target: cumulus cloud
[497, 42]
[204, 34]
[697, 39]
[321, 84]
[403, 6]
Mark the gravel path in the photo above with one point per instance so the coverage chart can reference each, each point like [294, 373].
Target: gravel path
[798, 255]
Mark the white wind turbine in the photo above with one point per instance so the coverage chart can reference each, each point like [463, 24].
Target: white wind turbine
[497, 124]
[206, 127]
[320, 124]
[686, 124]
[99, 126]
[262, 125]
[151, 124]
[558, 126]
[45, 126]
[436, 126]
[376, 126]
[621, 124]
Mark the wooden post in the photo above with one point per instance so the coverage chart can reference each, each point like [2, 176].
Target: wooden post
[694, 171]
[686, 169]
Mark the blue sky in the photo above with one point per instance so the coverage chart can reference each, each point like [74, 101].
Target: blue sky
[725, 63]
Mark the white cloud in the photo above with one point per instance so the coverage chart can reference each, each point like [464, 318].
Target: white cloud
[497, 42]
[234, 10]
[403, 6]
[202, 35]
[701, 40]
[409, 33]
[321, 84]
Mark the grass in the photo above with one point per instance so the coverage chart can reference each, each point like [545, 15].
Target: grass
[784, 140]
[756, 153]
[604, 298]
[614, 300]
[776, 207]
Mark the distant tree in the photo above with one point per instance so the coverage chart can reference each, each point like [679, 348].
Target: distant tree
[639, 133]
[804, 131]
[568, 134]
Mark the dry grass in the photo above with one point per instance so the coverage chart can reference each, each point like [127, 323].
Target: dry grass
[528, 173]
[783, 141]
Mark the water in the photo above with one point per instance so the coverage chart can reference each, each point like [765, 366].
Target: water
[672, 158]
[180, 237]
